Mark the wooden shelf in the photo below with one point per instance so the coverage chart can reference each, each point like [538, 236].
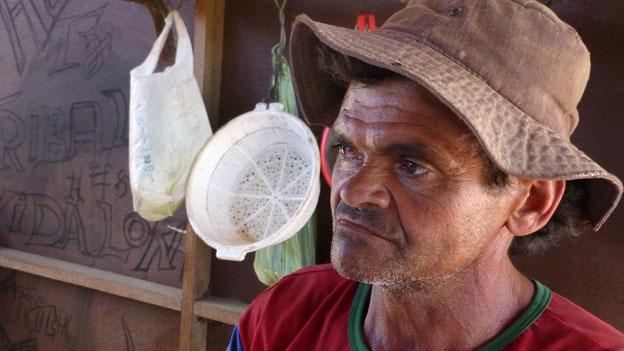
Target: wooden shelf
[213, 308]
[92, 278]
[219, 309]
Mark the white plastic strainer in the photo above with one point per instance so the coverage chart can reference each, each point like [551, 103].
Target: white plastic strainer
[255, 183]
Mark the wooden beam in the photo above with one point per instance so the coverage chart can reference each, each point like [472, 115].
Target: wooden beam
[208, 53]
[197, 260]
[207, 56]
[92, 278]
[220, 309]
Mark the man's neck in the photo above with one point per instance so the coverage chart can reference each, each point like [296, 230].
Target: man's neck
[463, 313]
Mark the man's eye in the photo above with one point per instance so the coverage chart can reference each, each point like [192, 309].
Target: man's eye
[413, 168]
[346, 152]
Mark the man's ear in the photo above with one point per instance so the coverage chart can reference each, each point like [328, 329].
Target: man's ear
[536, 206]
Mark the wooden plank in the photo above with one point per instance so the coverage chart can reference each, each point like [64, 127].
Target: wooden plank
[92, 278]
[208, 53]
[208, 48]
[220, 309]
[197, 259]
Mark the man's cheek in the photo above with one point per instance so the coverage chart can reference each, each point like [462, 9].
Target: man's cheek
[347, 248]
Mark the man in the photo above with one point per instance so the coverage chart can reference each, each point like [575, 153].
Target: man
[451, 123]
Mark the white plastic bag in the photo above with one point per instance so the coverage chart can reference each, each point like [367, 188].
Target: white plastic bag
[168, 126]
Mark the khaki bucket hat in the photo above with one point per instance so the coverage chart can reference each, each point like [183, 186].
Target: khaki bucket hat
[511, 70]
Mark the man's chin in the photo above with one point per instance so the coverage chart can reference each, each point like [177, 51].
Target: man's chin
[349, 265]
[359, 267]
[386, 281]
[350, 272]
[367, 270]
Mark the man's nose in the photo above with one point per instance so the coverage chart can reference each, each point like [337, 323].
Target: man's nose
[366, 187]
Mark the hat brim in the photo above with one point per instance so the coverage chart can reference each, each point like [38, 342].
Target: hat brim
[515, 142]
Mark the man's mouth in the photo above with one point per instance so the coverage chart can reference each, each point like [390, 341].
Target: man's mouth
[355, 227]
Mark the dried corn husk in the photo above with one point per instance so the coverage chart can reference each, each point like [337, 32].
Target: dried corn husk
[274, 262]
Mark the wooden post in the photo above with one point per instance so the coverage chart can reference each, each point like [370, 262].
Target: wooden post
[208, 47]
[197, 259]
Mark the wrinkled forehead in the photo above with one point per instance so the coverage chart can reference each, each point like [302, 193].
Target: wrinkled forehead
[395, 102]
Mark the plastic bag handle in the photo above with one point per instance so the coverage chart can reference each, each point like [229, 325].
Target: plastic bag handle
[184, 49]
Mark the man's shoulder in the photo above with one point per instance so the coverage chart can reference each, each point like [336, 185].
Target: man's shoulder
[575, 318]
[299, 309]
[309, 283]
[303, 289]
[321, 271]
[569, 326]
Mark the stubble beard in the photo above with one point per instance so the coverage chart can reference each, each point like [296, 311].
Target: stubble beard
[395, 274]
[386, 266]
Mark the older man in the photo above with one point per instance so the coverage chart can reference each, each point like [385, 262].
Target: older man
[451, 125]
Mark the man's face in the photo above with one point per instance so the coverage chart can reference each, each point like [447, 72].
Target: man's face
[410, 204]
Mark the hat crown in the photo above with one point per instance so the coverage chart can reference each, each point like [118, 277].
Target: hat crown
[519, 47]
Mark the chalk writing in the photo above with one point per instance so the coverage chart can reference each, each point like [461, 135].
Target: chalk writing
[45, 138]
[162, 246]
[74, 188]
[45, 221]
[10, 98]
[98, 44]
[116, 96]
[54, 136]
[86, 127]
[12, 131]
[127, 335]
[53, 32]
[98, 175]
[25, 306]
[68, 183]
[122, 183]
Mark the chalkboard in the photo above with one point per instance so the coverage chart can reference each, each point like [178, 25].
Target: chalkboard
[64, 190]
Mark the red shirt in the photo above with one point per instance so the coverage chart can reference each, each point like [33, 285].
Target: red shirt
[317, 309]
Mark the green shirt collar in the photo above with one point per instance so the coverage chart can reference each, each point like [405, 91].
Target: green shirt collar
[538, 305]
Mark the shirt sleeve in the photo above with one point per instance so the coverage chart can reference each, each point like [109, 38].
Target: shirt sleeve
[235, 342]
